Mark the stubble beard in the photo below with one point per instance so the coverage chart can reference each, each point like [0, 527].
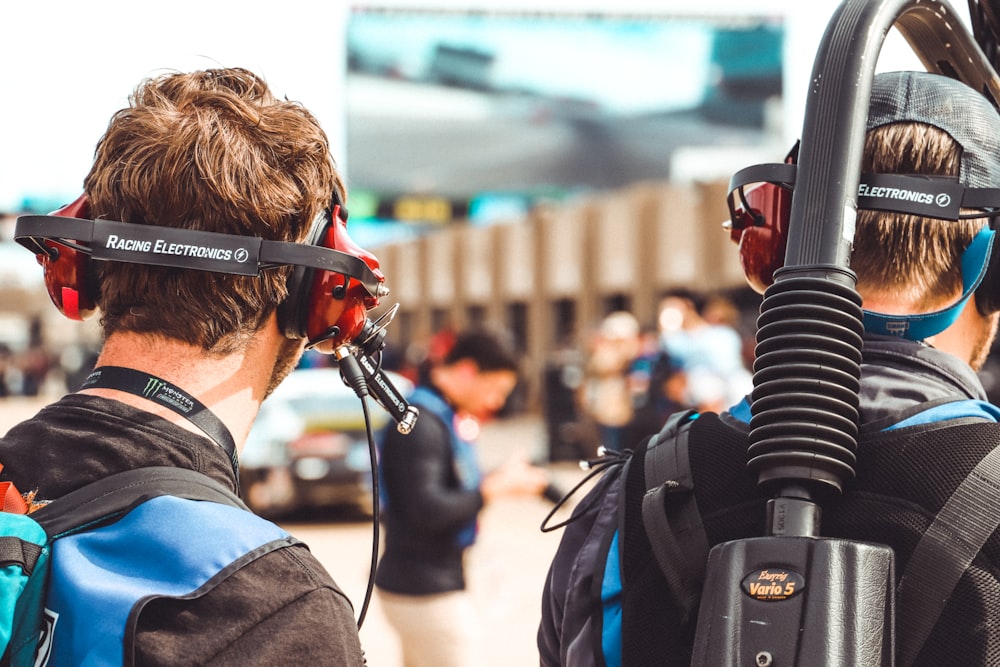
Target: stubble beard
[288, 358]
[985, 343]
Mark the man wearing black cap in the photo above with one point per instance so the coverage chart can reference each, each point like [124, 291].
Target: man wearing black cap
[927, 330]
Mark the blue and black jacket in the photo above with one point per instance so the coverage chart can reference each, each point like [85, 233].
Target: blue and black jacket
[430, 481]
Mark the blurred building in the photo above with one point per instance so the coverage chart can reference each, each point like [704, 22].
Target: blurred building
[550, 276]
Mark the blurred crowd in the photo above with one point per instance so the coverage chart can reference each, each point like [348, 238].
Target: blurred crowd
[38, 370]
[35, 368]
[629, 376]
[22, 373]
[620, 380]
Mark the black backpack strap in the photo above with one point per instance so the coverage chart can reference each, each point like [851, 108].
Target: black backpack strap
[944, 552]
[670, 514]
[119, 493]
[16, 551]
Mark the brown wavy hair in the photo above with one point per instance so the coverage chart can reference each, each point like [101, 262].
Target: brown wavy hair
[213, 150]
[913, 259]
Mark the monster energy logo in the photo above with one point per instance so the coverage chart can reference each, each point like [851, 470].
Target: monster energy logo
[153, 386]
[160, 391]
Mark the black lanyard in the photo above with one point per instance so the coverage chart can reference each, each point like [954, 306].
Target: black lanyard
[170, 396]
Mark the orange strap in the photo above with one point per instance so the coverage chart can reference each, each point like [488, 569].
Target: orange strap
[13, 501]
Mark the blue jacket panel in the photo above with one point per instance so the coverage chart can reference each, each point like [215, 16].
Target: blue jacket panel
[166, 547]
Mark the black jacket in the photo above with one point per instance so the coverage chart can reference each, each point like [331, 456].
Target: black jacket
[902, 481]
[426, 508]
[282, 608]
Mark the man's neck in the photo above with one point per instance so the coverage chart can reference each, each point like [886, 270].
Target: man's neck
[231, 386]
[969, 337]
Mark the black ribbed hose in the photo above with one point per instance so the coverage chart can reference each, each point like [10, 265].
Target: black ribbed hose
[803, 430]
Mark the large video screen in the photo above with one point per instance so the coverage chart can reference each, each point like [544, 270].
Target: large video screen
[476, 115]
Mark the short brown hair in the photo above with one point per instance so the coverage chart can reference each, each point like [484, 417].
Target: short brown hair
[212, 150]
[489, 350]
[912, 258]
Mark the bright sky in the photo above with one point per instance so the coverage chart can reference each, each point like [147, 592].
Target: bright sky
[68, 65]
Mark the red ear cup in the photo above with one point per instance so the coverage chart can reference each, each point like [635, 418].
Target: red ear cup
[760, 228]
[69, 277]
[329, 309]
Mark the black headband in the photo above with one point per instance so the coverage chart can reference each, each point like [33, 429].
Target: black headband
[941, 197]
[109, 240]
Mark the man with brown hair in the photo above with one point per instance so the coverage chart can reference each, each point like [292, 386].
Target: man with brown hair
[212, 151]
[906, 263]
[930, 318]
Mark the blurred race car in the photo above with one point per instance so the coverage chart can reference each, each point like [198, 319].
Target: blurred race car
[308, 446]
